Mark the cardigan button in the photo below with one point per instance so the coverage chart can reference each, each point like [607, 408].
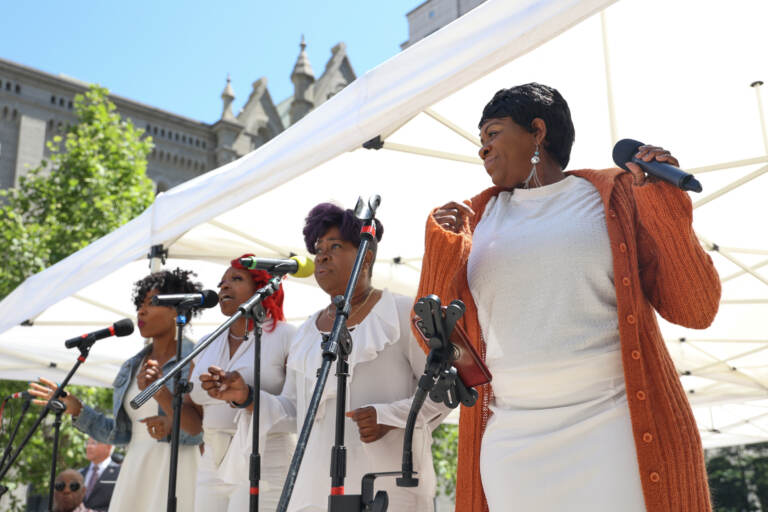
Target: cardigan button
[636, 354]
[640, 395]
[655, 477]
[625, 281]
[631, 319]
[612, 214]
[623, 247]
[647, 437]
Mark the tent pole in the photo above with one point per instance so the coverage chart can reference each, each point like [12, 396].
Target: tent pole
[608, 82]
[756, 86]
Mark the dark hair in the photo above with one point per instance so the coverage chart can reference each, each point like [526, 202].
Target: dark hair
[524, 103]
[325, 216]
[166, 281]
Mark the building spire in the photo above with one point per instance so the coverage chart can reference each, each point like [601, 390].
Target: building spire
[303, 67]
[227, 97]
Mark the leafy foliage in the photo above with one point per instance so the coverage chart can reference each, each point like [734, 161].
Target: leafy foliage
[95, 183]
[33, 464]
[738, 478]
[445, 452]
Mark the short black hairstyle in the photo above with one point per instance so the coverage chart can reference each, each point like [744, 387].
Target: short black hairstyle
[524, 103]
[325, 216]
[166, 282]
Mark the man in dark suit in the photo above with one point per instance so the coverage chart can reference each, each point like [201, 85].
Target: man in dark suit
[100, 475]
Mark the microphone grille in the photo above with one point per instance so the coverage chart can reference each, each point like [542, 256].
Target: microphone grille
[210, 298]
[123, 327]
[306, 266]
[624, 151]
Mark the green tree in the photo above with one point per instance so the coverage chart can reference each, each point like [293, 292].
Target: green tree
[95, 183]
[33, 465]
[445, 452]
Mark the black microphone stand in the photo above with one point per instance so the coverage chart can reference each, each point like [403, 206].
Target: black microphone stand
[336, 345]
[440, 379]
[180, 387]
[58, 407]
[251, 308]
[24, 408]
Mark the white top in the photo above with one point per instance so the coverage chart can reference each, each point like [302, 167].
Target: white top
[385, 365]
[541, 274]
[143, 480]
[217, 414]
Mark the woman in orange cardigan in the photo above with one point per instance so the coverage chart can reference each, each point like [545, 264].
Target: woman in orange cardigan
[561, 273]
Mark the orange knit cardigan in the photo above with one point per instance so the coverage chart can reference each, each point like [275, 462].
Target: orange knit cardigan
[658, 264]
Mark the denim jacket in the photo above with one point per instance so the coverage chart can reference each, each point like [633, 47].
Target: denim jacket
[117, 430]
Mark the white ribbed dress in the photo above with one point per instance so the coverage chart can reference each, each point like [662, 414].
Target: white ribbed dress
[541, 274]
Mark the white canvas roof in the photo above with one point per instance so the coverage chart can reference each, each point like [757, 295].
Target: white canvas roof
[676, 74]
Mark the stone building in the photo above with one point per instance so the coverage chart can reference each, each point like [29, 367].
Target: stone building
[432, 15]
[35, 106]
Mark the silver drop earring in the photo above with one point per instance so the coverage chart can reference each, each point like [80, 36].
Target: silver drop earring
[533, 175]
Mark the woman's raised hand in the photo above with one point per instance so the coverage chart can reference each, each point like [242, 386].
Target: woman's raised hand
[647, 153]
[222, 385]
[148, 373]
[44, 390]
[451, 215]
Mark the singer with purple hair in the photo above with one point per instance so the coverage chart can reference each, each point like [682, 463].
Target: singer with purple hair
[143, 480]
[561, 274]
[384, 366]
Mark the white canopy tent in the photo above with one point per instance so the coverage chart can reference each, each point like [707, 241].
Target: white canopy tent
[675, 74]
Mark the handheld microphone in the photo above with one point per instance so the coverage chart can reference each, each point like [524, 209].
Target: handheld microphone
[298, 266]
[625, 150]
[202, 300]
[122, 327]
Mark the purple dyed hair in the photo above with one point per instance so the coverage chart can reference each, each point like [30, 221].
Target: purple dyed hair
[325, 216]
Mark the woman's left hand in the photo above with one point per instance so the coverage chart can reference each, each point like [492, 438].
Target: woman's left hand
[159, 427]
[370, 431]
[647, 153]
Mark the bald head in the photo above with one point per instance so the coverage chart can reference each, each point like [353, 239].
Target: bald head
[69, 491]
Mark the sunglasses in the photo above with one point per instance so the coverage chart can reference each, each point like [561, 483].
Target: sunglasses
[73, 486]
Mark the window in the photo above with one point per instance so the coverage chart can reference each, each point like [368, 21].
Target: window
[18, 89]
[203, 144]
[184, 139]
[69, 104]
[61, 102]
[197, 143]
[177, 136]
[154, 130]
[5, 112]
[162, 133]
[53, 100]
[7, 86]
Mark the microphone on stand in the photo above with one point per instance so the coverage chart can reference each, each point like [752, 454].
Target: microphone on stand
[202, 300]
[298, 266]
[24, 395]
[625, 150]
[122, 327]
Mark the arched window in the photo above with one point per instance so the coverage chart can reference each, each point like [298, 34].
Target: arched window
[18, 89]
[61, 102]
[154, 130]
[7, 86]
[69, 104]
[5, 112]
[53, 99]
[162, 133]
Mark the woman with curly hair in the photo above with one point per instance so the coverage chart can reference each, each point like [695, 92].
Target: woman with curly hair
[143, 482]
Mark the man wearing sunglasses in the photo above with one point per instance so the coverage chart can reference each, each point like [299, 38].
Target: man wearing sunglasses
[68, 492]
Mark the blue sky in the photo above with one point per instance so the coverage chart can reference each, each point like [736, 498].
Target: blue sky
[176, 55]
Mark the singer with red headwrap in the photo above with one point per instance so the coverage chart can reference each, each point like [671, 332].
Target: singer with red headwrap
[232, 351]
